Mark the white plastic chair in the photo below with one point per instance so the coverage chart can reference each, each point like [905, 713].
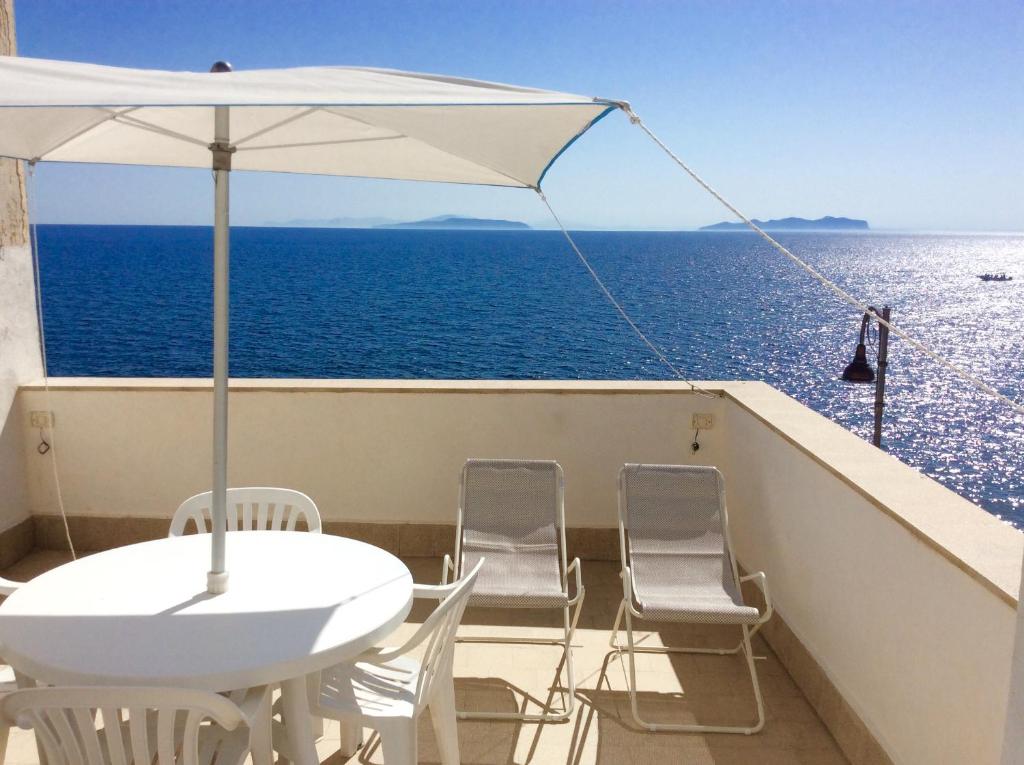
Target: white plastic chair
[254, 508]
[251, 508]
[385, 689]
[141, 726]
[8, 682]
[7, 679]
[513, 512]
[678, 566]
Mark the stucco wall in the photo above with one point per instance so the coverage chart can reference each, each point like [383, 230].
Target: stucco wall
[19, 331]
[1013, 741]
[918, 647]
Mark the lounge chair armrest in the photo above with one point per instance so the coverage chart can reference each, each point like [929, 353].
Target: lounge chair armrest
[448, 567]
[627, 584]
[762, 583]
[577, 571]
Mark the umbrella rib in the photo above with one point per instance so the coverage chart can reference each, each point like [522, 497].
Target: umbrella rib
[276, 125]
[143, 125]
[322, 143]
[518, 181]
[65, 141]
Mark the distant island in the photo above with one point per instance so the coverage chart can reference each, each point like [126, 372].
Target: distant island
[457, 222]
[828, 223]
[332, 222]
[440, 222]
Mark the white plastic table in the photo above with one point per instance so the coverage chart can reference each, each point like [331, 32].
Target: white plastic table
[140, 615]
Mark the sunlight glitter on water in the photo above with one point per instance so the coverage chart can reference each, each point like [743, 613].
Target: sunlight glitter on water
[135, 301]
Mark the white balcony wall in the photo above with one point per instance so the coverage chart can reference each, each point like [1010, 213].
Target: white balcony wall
[365, 451]
[902, 591]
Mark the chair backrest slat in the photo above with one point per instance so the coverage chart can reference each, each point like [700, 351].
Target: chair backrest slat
[292, 518]
[232, 515]
[255, 508]
[115, 744]
[85, 724]
[61, 722]
[278, 517]
[165, 735]
[139, 735]
[190, 738]
[247, 519]
[45, 734]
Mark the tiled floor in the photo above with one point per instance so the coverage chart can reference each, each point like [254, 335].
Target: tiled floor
[706, 689]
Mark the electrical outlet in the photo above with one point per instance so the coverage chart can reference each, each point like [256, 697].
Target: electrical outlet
[41, 420]
[703, 422]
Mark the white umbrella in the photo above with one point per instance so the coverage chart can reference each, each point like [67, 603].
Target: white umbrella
[373, 123]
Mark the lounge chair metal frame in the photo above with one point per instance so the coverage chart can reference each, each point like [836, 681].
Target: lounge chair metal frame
[570, 609]
[627, 608]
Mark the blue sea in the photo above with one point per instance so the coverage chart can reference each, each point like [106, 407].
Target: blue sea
[136, 301]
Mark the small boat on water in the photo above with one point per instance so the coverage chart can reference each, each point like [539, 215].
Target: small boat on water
[999, 277]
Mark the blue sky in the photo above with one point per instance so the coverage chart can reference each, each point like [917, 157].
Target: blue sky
[907, 114]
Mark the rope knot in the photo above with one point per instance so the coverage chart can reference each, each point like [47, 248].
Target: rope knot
[628, 111]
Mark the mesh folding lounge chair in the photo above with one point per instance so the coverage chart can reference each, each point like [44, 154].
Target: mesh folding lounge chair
[254, 508]
[512, 513]
[677, 566]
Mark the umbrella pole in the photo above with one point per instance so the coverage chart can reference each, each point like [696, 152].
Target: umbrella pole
[217, 578]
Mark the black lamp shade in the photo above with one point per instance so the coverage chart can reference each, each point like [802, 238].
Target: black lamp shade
[858, 370]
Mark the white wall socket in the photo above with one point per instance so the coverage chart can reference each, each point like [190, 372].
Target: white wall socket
[703, 421]
[41, 420]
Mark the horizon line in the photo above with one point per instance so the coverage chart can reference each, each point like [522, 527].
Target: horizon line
[584, 228]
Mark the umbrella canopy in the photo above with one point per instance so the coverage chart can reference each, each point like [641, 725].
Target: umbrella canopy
[372, 123]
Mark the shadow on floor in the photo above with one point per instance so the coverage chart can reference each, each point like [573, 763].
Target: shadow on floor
[480, 743]
[674, 688]
[605, 714]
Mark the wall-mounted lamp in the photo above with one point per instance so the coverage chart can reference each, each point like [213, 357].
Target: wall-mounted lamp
[860, 371]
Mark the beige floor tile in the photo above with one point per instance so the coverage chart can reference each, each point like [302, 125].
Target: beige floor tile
[828, 755]
[21, 748]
